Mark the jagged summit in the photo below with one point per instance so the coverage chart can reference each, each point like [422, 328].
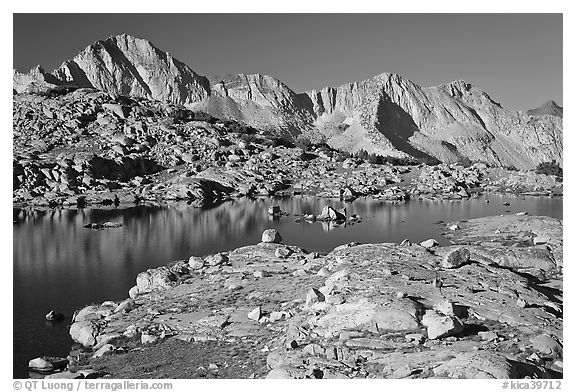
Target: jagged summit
[386, 114]
[549, 108]
[124, 64]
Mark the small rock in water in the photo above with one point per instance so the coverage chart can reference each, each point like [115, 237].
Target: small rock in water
[274, 210]
[271, 235]
[47, 364]
[456, 258]
[454, 227]
[105, 225]
[522, 213]
[430, 243]
[53, 316]
[329, 213]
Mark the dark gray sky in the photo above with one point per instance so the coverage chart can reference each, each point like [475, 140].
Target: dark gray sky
[515, 58]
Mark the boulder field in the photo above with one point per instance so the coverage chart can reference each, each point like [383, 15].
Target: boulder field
[86, 147]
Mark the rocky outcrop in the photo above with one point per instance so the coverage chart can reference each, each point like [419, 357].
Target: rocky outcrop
[386, 115]
[260, 101]
[360, 311]
[132, 66]
[86, 147]
[36, 80]
[449, 122]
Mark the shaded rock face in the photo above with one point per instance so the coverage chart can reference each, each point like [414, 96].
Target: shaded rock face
[448, 122]
[549, 108]
[260, 101]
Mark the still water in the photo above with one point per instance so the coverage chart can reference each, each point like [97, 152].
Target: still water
[60, 265]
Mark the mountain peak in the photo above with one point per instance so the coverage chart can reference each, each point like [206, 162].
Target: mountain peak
[124, 37]
[128, 65]
[549, 108]
[386, 114]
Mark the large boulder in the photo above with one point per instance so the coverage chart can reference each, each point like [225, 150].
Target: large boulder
[477, 365]
[329, 213]
[155, 279]
[455, 258]
[84, 332]
[440, 325]
[271, 235]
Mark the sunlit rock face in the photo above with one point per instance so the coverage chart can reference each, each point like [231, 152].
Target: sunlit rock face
[386, 115]
[132, 66]
[449, 122]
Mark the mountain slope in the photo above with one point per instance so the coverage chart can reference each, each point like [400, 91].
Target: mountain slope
[549, 108]
[386, 114]
[448, 122]
[132, 66]
[257, 100]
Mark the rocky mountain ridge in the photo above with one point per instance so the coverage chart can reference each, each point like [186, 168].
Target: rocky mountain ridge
[549, 108]
[386, 115]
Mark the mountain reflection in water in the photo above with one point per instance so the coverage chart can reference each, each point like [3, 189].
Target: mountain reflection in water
[59, 264]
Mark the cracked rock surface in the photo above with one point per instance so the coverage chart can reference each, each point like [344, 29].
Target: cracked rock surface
[360, 311]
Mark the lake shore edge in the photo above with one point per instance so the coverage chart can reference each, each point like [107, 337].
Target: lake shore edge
[361, 310]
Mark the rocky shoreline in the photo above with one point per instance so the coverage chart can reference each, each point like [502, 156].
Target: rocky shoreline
[488, 306]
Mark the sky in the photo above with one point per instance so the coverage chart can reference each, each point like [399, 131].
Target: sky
[515, 58]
